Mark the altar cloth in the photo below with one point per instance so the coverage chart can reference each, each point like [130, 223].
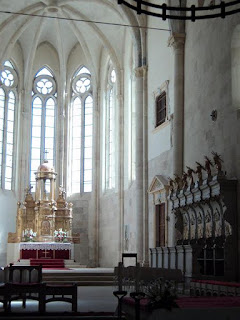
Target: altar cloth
[45, 246]
[47, 250]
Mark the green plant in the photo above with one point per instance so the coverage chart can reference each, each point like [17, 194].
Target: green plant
[162, 294]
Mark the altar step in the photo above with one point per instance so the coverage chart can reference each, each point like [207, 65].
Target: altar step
[67, 263]
[48, 263]
[81, 278]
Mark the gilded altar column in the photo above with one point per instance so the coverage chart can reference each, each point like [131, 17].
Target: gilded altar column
[52, 189]
[140, 74]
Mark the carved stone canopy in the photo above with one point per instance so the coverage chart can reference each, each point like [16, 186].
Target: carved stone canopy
[159, 189]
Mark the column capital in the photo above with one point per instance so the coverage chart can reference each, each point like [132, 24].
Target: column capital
[140, 72]
[176, 40]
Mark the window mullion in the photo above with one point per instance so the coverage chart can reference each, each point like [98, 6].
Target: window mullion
[55, 135]
[43, 128]
[82, 144]
[107, 142]
[4, 151]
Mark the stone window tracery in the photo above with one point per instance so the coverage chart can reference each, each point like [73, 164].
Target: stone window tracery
[8, 100]
[81, 135]
[44, 104]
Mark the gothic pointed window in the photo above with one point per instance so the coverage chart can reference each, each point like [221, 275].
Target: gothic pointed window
[81, 127]
[43, 121]
[110, 133]
[8, 100]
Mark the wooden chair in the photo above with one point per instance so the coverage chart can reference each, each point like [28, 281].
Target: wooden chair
[3, 289]
[59, 293]
[25, 282]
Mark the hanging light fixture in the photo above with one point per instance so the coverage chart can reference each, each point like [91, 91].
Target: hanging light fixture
[183, 12]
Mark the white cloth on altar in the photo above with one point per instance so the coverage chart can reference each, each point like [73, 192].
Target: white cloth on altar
[45, 246]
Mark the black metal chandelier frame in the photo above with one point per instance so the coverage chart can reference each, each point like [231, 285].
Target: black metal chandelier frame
[192, 13]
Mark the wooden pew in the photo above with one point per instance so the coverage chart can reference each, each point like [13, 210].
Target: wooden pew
[133, 277]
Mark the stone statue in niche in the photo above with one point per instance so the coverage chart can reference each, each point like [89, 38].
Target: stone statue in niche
[208, 221]
[190, 172]
[199, 172]
[217, 161]
[208, 165]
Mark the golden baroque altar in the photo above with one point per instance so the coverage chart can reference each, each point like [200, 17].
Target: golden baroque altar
[41, 214]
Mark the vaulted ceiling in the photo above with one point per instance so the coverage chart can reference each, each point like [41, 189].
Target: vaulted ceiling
[92, 24]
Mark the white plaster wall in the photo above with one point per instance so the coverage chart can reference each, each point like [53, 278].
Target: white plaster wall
[130, 213]
[207, 87]
[129, 236]
[8, 211]
[109, 208]
[160, 69]
[8, 199]
[109, 230]
[46, 54]
[80, 225]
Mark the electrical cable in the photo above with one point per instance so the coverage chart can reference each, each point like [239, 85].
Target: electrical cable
[82, 20]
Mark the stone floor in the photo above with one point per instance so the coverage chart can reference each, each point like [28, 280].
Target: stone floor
[95, 299]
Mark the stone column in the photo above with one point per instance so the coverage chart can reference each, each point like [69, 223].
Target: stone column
[176, 41]
[145, 173]
[120, 178]
[139, 75]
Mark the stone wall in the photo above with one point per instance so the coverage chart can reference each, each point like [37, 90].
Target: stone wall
[207, 87]
[80, 225]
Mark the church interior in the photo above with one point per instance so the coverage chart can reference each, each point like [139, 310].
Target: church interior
[119, 134]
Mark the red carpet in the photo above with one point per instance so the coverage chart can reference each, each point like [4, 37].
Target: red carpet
[194, 302]
[56, 268]
[48, 263]
[208, 302]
